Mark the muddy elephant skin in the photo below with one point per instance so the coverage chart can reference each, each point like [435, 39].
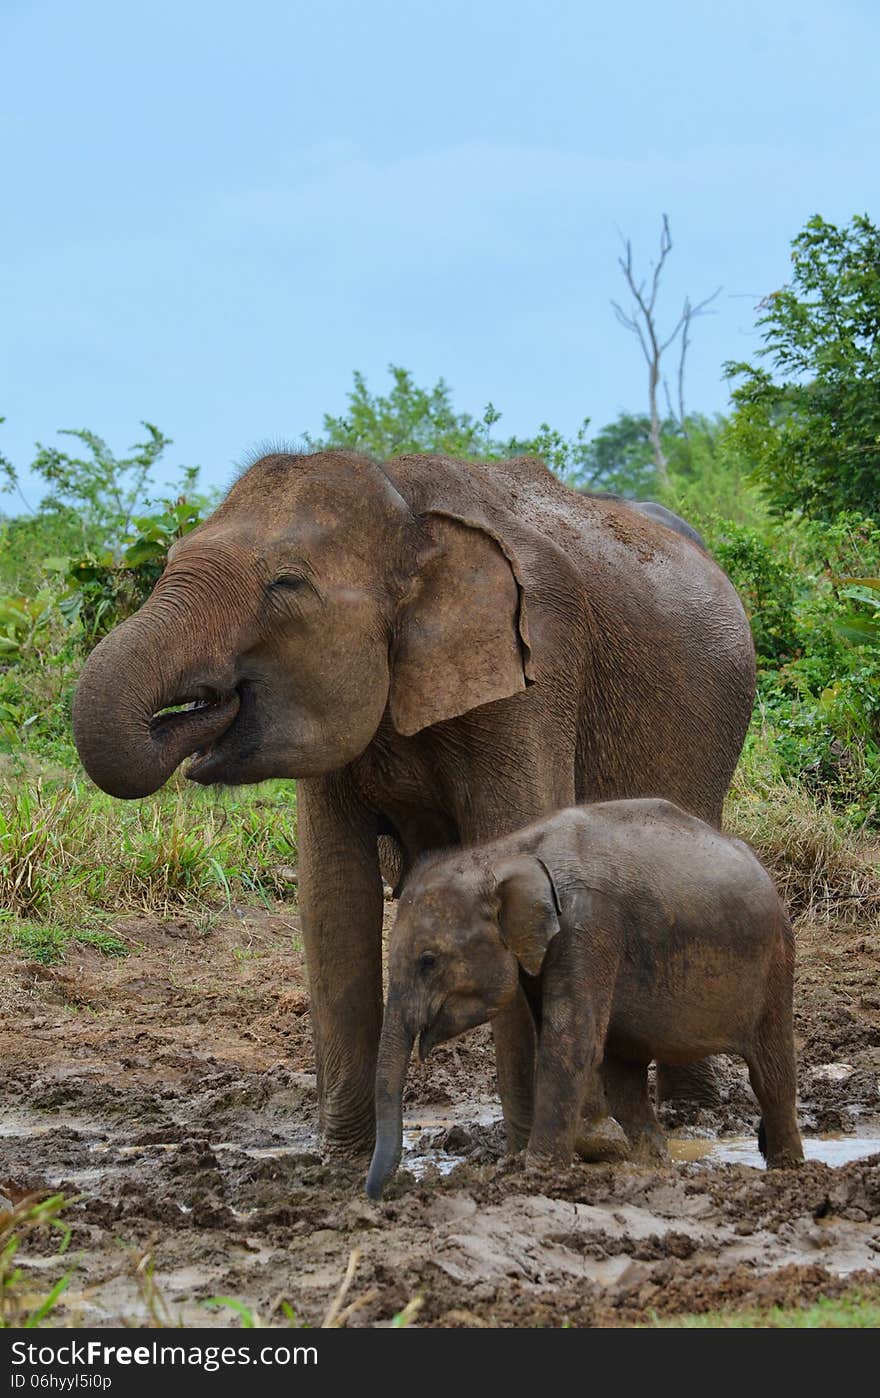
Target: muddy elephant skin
[636, 930]
[439, 652]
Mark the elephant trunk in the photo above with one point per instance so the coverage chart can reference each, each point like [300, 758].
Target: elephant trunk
[394, 1054]
[127, 746]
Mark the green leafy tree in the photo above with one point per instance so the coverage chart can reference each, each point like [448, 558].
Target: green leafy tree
[620, 458]
[709, 478]
[414, 419]
[761, 575]
[105, 491]
[811, 424]
[93, 533]
[408, 419]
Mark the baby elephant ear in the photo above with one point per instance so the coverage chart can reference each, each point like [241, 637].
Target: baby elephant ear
[461, 639]
[528, 917]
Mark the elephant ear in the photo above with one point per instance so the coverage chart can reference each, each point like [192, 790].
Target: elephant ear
[462, 639]
[528, 914]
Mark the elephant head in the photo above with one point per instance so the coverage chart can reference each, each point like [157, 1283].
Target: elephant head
[313, 601]
[463, 935]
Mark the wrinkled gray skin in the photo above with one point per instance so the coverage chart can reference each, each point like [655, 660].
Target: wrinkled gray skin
[670, 521]
[390, 853]
[659, 513]
[439, 652]
[636, 932]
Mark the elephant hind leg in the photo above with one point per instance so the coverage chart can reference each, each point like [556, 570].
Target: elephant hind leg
[773, 1077]
[694, 1082]
[626, 1093]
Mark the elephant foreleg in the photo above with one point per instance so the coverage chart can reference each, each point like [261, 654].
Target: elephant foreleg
[341, 910]
[513, 1031]
[537, 785]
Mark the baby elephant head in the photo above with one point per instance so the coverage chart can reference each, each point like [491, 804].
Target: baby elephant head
[464, 931]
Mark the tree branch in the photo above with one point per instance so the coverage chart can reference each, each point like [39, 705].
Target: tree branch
[641, 323]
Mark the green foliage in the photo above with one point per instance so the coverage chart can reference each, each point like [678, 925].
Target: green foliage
[766, 585]
[27, 540]
[42, 636]
[856, 626]
[413, 419]
[70, 855]
[21, 618]
[813, 430]
[818, 652]
[103, 489]
[408, 419]
[103, 588]
[709, 478]
[620, 459]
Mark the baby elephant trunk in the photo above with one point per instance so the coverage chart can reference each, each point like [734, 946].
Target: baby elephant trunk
[394, 1054]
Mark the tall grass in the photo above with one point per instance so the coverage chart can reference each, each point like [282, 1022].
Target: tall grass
[824, 868]
[69, 855]
[67, 850]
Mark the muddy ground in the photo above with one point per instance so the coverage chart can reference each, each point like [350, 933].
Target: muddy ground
[172, 1095]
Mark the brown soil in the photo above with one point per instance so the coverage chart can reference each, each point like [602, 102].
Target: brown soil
[172, 1093]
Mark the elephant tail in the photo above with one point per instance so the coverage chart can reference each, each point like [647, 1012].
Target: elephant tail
[762, 1138]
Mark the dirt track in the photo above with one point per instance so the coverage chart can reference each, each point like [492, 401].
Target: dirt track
[173, 1092]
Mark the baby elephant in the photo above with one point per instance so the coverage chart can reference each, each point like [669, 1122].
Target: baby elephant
[636, 932]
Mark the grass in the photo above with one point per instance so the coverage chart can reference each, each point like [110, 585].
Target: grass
[857, 1310]
[71, 857]
[68, 853]
[825, 869]
[22, 1305]
[47, 942]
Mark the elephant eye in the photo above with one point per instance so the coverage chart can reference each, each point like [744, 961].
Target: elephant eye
[427, 960]
[288, 582]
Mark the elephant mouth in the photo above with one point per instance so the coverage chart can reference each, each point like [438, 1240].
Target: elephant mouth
[192, 723]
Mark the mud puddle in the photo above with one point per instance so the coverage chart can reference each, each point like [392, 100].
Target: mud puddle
[170, 1095]
[454, 1130]
[832, 1149]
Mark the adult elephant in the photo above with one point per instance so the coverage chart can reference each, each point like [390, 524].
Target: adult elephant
[434, 648]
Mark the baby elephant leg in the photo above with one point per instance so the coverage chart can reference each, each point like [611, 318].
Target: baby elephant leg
[626, 1090]
[774, 1080]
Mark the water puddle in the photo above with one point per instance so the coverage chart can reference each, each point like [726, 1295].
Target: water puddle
[20, 1126]
[831, 1149]
[418, 1161]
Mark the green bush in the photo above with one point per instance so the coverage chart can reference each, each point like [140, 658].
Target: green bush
[104, 588]
[766, 585]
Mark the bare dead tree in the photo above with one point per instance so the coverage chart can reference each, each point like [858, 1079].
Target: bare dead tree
[641, 322]
[689, 314]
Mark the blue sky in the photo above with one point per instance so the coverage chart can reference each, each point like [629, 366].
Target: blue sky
[213, 213]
